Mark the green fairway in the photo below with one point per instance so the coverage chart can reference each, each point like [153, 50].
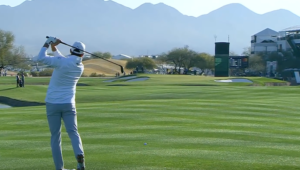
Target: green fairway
[165, 123]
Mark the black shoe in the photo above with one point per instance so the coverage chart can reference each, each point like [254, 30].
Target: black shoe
[80, 160]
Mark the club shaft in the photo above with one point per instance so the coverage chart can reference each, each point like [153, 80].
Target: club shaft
[91, 54]
[122, 70]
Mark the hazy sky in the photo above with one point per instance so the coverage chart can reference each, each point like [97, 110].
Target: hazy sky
[199, 7]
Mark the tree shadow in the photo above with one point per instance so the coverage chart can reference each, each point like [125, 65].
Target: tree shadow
[18, 103]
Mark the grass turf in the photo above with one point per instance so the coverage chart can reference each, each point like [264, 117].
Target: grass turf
[187, 122]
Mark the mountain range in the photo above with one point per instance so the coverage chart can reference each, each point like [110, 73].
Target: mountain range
[148, 29]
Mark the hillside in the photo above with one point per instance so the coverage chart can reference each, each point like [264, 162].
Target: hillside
[149, 29]
[100, 66]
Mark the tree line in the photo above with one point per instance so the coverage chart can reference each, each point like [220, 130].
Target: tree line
[9, 53]
[178, 57]
[187, 58]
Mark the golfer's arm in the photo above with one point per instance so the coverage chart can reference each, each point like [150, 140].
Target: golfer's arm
[53, 48]
[49, 60]
[56, 52]
[43, 54]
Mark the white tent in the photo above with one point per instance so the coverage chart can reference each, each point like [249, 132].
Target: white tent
[266, 35]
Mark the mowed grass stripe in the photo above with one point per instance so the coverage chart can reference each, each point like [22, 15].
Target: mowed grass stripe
[205, 128]
[267, 113]
[191, 120]
[221, 130]
[220, 156]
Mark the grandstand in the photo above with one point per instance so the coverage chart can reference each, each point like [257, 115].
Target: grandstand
[269, 40]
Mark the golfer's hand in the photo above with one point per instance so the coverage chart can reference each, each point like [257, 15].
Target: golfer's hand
[58, 41]
[53, 45]
[51, 40]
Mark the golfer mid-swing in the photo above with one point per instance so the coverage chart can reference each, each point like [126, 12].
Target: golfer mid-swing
[60, 98]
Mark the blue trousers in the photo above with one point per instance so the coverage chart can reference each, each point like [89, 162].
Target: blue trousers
[67, 113]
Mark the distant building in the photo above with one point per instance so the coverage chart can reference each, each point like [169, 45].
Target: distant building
[269, 40]
[289, 40]
[264, 41]
[121, 57]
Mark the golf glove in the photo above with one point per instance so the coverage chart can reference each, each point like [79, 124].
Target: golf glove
[51, 40]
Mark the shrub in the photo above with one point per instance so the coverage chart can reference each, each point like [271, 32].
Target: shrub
[84, 75]
[97, 75]
[46, 72]
[101, 75]
[34, 74]
[93, 75]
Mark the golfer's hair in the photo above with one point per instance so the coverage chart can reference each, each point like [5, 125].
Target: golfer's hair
[79, 55]
[76, 50]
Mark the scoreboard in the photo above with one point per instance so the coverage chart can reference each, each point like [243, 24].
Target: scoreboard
[239, 61]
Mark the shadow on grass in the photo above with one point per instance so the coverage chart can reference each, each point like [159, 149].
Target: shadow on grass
[8, 89]
[18, 103]
[117, 85]
[82, 84]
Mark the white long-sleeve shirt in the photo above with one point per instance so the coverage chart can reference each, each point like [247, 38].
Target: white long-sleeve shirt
[67, 71]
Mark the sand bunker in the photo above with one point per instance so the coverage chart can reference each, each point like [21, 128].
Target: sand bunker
[138, 79]
[234, 81]
[122, 78]
[2, 106]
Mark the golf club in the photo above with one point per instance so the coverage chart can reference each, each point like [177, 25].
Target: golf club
[122, 69]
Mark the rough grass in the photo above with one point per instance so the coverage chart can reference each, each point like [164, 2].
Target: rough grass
[160, 124]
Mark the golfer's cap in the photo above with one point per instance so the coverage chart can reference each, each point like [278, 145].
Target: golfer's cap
[79, 47]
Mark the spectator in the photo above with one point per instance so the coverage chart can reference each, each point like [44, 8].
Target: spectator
[23, 80]
[20, 83]
[18, 80]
